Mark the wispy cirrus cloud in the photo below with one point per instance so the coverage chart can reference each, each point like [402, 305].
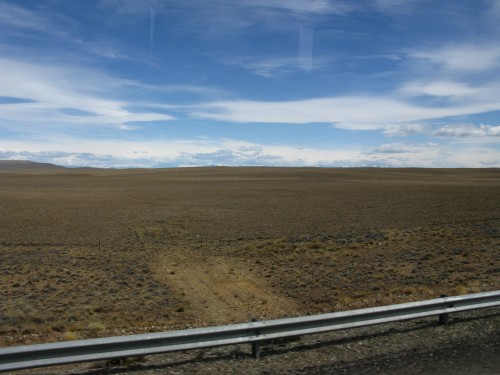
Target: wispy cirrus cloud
[224, 19]
[394, 7]
[39, 24]
[14, 16]
[270, 67]
[309, 7]
[353, 112]
[409, 109]
[59, 94]
[460, 58]
[277, 66]
[294, 6]
[442, 88]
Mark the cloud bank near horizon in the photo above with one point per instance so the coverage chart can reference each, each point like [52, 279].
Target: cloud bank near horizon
[226, 152]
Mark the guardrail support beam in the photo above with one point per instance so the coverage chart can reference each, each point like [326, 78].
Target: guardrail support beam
[256, 350]
[256, 344]
[443, 318]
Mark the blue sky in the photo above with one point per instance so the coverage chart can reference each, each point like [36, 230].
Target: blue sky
[145, 83]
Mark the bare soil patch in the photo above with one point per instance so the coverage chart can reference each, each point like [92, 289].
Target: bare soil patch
[218, 290]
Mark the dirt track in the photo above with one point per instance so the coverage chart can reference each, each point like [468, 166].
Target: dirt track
[219, 291]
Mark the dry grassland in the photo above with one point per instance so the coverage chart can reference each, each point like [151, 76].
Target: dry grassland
[86, 253]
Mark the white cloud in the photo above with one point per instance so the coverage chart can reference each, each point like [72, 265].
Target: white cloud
[307, 7]
[104, 47]
[30, 23]
[461, 58]
[354, 112]
[402, 148]
[225, 17]
[493, 12]
[468, 130]
[202, 151]
[271, 67]
[18, 17]
[55, 88]
[394, 7]
[440, 88]
[338, 110]
[404, 130]
[278, 66]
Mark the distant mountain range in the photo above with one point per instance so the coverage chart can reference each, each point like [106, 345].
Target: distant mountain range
[21, 165]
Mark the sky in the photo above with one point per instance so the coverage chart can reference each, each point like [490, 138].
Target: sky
[324, 83]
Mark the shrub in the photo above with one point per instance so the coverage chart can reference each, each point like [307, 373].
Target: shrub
[96, 326]
[460, 290]
[69, 336]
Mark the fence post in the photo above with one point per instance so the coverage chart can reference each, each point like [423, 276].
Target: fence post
[256, 344]
[443, 318]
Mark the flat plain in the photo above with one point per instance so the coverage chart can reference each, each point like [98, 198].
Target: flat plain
[88, 252]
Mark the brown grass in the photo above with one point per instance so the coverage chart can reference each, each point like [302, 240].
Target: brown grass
[94, 252]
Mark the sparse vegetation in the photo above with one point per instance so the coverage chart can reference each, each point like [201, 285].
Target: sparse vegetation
[69, 336]
[88, 253]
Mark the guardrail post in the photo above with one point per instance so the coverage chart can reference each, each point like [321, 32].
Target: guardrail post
[256, 350]
[443, 318]
[256, 344]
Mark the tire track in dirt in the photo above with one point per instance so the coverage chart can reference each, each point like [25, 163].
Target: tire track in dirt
[217, 290]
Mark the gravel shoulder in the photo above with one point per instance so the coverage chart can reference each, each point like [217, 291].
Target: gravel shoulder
[469, 345]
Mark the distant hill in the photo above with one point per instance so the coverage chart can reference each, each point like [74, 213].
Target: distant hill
[22, 165]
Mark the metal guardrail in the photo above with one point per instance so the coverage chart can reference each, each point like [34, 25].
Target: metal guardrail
[40, 355]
